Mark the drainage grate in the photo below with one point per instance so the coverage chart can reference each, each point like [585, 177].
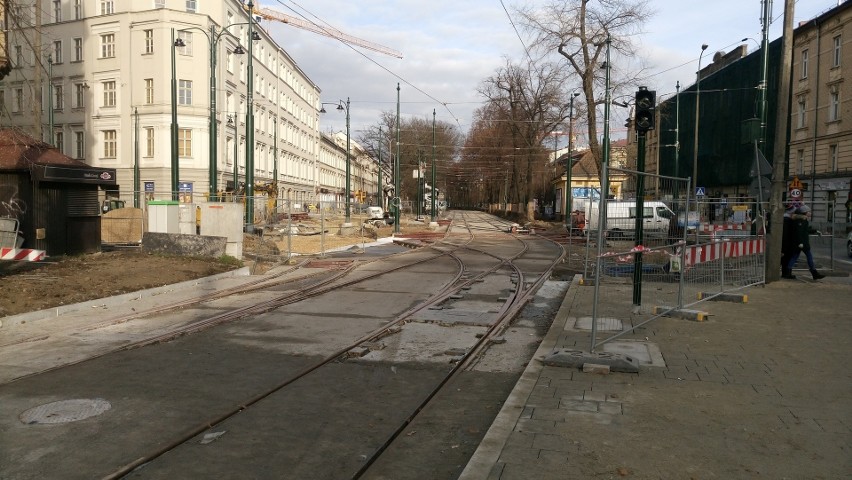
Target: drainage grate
[65, 411]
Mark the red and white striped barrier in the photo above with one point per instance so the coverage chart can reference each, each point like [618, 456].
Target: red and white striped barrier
[705, 227]
[23, 254]
[730, 248]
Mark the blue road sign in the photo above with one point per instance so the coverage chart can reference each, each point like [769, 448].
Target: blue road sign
[699, 191]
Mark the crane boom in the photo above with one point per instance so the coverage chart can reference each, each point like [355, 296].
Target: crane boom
[270, 14]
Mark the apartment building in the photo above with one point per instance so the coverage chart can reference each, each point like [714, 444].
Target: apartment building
[94, 78]
[820, 152]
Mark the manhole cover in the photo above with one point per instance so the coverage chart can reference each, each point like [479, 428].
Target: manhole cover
[65, 411]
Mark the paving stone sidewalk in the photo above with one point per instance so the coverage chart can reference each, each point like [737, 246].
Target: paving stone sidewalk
[760, 390]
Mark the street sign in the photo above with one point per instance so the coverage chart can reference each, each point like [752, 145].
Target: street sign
[699, 192]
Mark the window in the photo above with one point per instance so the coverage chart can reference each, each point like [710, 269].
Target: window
[834, 104]
[187, 41]
[184, 142]
[159, 3]
[804, 64]
[800, 162]
[106, 7]
[832, 157]
[78, 14]
[58, 97]
[57, 11]
[19, 56]
[242, 72]
[79, 145]
[79, 95]
[801, 112]
[191, 6]
[109, 93]
[110, 143]
[58, 140]
[185, 92]
[2, 101]
[78, 49]
[149, 91]
[57, 51]
[18, 104]
[836, 58]
[108, 45]
[149, 141]
[149, 41]
[230, 62]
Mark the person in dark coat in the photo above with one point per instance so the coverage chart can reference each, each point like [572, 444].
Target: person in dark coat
[801, 242]
[789, 242]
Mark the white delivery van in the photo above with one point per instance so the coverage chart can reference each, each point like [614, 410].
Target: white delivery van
[621, 217]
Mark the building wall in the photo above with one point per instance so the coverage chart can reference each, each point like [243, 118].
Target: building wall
[821, 108]
[285, 100]
[820, 147]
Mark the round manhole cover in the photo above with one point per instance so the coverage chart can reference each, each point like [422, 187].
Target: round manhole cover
[65, 411]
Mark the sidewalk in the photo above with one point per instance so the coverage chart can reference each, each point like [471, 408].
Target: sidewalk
[759, 390]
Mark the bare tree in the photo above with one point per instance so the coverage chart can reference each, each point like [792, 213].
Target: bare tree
[536, 104]
[579, 30]
[416, 147]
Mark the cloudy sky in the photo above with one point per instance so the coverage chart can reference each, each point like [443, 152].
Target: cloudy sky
[449, 47]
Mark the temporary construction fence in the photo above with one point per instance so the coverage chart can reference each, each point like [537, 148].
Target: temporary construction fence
[677, 259]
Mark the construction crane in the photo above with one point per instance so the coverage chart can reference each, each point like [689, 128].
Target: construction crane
[269, 14]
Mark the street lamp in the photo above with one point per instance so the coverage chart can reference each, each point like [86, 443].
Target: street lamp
[252, 35]
[232, 122]
[340, 106]
[569, 164]
[434, 192]
[213, 39]
[697, 95]
[174, 129]
[50, 99]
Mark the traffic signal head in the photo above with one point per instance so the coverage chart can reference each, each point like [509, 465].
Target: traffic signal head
[645, 103]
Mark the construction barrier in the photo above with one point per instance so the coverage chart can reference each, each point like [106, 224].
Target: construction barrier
[22, 254]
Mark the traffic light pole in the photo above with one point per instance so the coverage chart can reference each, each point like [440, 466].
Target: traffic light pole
[640, 220]
[645, 105]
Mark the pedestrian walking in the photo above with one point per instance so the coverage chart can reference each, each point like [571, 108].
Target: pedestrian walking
[789, 241]
[801, 243]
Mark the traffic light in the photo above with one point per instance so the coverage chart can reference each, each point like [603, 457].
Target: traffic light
[645, 102]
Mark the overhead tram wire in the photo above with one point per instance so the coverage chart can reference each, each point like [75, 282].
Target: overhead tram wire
[395, 75]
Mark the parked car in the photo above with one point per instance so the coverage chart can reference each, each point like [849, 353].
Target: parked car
[849, 244]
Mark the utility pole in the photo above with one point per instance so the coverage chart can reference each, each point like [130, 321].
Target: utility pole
[779, 163]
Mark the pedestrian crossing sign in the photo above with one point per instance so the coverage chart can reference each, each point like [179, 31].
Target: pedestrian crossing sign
[699, 192]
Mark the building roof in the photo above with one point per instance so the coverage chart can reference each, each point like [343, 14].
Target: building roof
[19, 151]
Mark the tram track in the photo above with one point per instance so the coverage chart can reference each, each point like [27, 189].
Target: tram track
[470, 262]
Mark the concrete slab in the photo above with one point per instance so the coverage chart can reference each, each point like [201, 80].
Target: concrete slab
[452, 316]
[646, 353]
[604, 324]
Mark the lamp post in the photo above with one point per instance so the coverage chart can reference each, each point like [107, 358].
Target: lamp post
[396, 193]
[569, 193]
[697, 99]
[232, 121]
[174, 130]
[250, 123]
[341, 107]
[213, 38]
[380, 194]
[50, 134]
[434, 192]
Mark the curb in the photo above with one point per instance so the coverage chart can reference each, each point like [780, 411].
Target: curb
[488, 453]
[15, 320]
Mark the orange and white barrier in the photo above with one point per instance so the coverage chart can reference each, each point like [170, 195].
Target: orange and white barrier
[22, 254]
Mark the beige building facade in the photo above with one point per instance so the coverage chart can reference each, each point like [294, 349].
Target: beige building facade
[820, 153]
[94, 78]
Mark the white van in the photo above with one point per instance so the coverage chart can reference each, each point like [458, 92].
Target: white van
[621, 217]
